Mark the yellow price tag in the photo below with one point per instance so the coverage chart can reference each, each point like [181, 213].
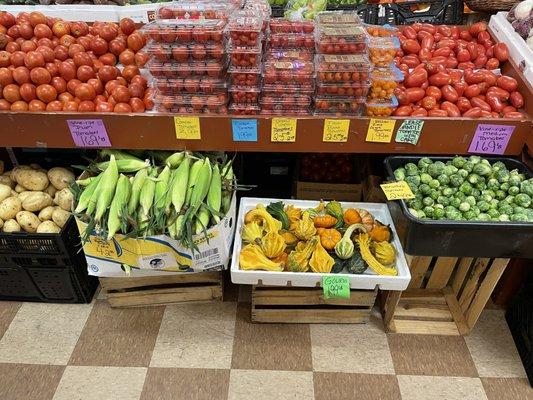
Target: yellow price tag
[283, 130]
[336, 130]
[397, 191]
[380, 130]
[187, 128]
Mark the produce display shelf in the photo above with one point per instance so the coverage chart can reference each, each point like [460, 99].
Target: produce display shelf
[157, 131]
[308, 279]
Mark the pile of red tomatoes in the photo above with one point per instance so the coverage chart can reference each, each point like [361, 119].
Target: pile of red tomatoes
[47, 64]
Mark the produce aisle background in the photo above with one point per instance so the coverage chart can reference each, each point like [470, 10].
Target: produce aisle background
[211, 351]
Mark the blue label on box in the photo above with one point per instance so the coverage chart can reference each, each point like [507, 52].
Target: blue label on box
[244, 130]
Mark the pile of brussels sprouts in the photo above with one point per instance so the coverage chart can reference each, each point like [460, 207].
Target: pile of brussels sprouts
[467, 189]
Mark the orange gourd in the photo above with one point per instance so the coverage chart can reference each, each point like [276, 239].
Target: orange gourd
[380, 233]
[329, 238]
[351, 216]
[325, 221]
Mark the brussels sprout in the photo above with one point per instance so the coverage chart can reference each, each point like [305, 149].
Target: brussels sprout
[463, 173]
[503, 217]
[466, 188]
[474, 159]
[498, 165]
[476, 192]
[460, 195]
[526, 187]
[415, 204]
[453, 214]
[424, 162]
[443, 179]
[445, 201]
[494, 204]
[515, 179]
[438, 213]
[399, 174]
[471, 200]
[450, 170]
[411, 169]
[505, 186]
[500, 194]
[513, 190]
[483, 206]
[434, 194]
[482, 169]
[469, 215]
[428, 210]
[473, 178]
[413, 212]
[438, 206]
[456, 180]
[509, 199]
[428, 201]
[469, 167]
[421, 214]
[424, 189]
[486, 198]
[523, 200]
[480, 185]
[529, 214]
[436, 169]
[448, 192]
[413, 182]
[464, 206]
[493, 213]
[483, 217]
[434, 184]
[502, 175]
[505, 208]
[519, 218]
[493, 184]
[488, 192]
[458, 161]
[425, 178]
[519, 210]
[476, 210]
[455, 202]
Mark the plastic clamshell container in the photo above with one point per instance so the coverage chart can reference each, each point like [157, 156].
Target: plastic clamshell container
[242, 77]
[244, 109]
[186, 31]
[195, 104]
[244, 94]
[243, 23]
[283, 25]
[382, 50]
[342, 68]
[338, 18]
[297, 73]
[290, 100]
[213, 69]
[383, 83]
[288, 55]
[348, 89]
[325, 105]
[381, 30]
[192, 85]
[448, 238]
[245, 57]
[341, 39]
[381, 109]
[300, 41]
[367, 280]
[197, 10]
[185, 52]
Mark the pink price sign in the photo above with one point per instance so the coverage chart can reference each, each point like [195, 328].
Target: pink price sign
[491, 139]
[88, 133]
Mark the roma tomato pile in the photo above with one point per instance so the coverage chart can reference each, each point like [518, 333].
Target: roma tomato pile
[453, 72]
[47, 64]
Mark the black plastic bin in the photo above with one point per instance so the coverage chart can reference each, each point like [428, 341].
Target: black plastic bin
[459, 238]
[48, 268]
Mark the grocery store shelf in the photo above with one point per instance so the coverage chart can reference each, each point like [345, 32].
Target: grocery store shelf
[157, 131]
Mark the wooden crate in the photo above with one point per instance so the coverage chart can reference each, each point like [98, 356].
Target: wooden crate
[445, 296]
[162, 289]
[296, 305]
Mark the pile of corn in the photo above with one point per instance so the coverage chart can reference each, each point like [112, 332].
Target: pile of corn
[184, 196]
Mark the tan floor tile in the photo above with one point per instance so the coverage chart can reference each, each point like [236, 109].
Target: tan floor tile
[25, 381]
[270, 385]
[340, 386]
[43, 333]
[118, 337]
[8, 310]
[440, 388]
[196, 336]
[492, 347]
[507, 388]
[190, 384]
[100, 383]
[270, 346]
[356, 348]
[431, 355]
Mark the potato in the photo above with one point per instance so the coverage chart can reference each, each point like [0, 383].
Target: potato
[20, 189]
[1, 223]
[10, 207]
[13, 193]
[15, 171]
[51, 190]
[36, 201]
[28, 221]
[32, 180]
[64, 199]
[11, 226]
[60, 217]
[5, 192]
[48, 227]
[6, 180]
[61, 178]
[22, 196]
[46, 213]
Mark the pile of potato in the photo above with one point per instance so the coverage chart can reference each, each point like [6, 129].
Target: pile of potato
[35, 200]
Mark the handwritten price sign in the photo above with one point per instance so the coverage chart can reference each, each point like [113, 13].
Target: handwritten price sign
[336, 287]
[187, 128]
[491, 139]
[283, 130]
[380, 130]
[336, 130]
[397, 191]
[88, 132]
[409, 131]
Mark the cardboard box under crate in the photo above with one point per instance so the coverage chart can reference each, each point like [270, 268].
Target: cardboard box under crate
[162, 289]
[304, 305]
[446, 295]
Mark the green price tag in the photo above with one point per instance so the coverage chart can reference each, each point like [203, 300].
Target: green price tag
[336, 287]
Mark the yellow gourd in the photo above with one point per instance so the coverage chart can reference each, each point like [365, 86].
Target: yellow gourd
[304, 228]
[329, 237]
[363, 241]
[384, 252]
[321, 261]
[273, 244]
[260, 214]
[282, 259]
[298, 260]
[293, 213]
[290, 238]
[252, 258]
[252, 232]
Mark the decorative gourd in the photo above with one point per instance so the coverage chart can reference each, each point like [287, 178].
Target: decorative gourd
[329, 237]
[313, 212]
[367, 219]
[338, 266]
[298, 260]
[384, 252]
[273, 244]
[345, 248]
[252, 232]
[334, 208]
[380, 232]
[278, 212]
[363, 241]
[324, 221]
[351, 216]
[282, 259]
[290, 238]
[260, 214]
[304, 228]
[293, 213]
[321, 261]
[355, 264]
[252, 258]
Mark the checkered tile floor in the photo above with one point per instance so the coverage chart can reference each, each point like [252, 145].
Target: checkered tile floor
[212, 351]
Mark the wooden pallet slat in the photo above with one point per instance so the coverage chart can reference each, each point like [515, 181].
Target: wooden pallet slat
[472, 283]
[463, 267]
[441, 272]
[419, 267]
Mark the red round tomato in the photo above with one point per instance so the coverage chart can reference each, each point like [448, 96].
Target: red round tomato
[129, 72]
[85, 91]
[135, 41]
[21, 75]
[85, 73]
[36, 105]
[6, 77]
[11, 93]
[108, 33]
[4, 105]
[137, 105]
[108, 59]
[54, 106]
[34, 59]
[42, 31]
[127, 57]
[122, 108]
[19, 106]
[86, 106]
[141, 59]
[70, 106]
[127, 26]
[27, 92]
[46, 93]
[139, 80]
[40, 76]
[121, 94]
[61, 28]
[117, 46]
[27, 46]
[104, 107]
[59, 84]
[64, 97]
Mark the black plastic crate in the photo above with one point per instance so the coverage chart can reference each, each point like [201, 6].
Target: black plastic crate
[45, 267]
[459, 238]
[277, 11]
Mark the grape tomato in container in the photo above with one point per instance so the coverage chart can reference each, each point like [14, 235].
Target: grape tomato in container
[301, 41]
[381, 108]
[340, 39]
[186, 31]
[205, 85]
[337, 106]
[244, 109]
[185, 104]
[183, 52]
[383, 83]
[291, 73]
[244, 94]
[244, 57]
[338, 18]
[197, 10]
[242, 77]
[342, 68]
[382, 50]
[282, 25]
[213, 69]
